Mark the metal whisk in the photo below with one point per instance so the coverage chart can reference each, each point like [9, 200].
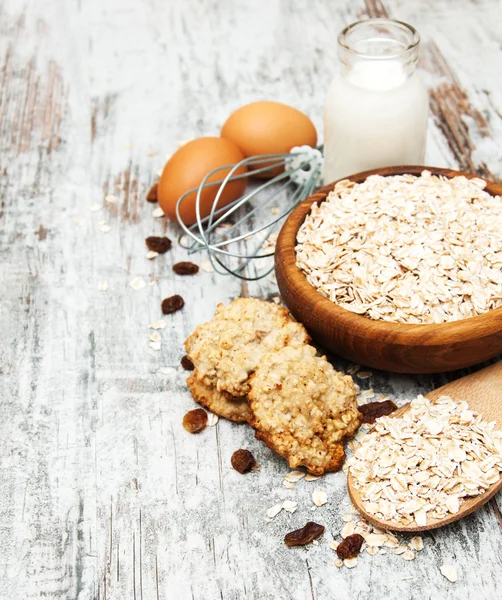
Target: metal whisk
[240, 237]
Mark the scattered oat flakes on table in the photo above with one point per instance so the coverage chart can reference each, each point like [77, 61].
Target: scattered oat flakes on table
[294, 476]
[319, 497]
[274, 510]
[137, 283]
[212, 419]
[450, 572]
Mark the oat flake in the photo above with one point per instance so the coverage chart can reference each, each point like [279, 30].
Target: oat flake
[274, 510]
[137, 283]
[206, 266]
[104, 227]
[348, 529]
[319, 497]
[294, 476]
[450, 572]
[364, 374]
[212, 419]
[416, 543]
[289, 506]
[350, 563]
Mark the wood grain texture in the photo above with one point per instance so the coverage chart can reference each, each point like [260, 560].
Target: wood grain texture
[103, 494]
[378, 344]
[483, 392]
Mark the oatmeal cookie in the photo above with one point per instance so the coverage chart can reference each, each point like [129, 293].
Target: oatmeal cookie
[236, 409]
[227, 349]
[302, 408]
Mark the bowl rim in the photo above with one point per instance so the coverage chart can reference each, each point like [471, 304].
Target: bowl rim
[362, 326]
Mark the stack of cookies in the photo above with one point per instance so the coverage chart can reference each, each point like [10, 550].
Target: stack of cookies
[253, 363]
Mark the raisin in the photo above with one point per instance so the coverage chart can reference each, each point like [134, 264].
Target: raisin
[373, 410]
[185, 268]
[243, 461]
[152, 194]
[305, 535]
[158, 244]
[195, 420]
[187, 364]
[350, 547]
[172, 304]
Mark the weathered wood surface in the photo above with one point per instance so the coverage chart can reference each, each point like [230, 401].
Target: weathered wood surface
[102, 493]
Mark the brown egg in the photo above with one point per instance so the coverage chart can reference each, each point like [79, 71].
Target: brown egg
[187, 168]
[268, 128]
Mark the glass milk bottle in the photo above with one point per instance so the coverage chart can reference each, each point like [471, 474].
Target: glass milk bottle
[376, 108]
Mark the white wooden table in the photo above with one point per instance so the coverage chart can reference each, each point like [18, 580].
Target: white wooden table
[103, 494]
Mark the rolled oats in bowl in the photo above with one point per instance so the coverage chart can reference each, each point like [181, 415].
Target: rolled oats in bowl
[406, 249]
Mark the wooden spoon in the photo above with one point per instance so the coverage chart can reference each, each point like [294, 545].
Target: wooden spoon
[483, 393]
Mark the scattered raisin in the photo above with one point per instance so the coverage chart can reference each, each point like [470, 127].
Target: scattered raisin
[185, 268]
[305, 535]
[243, 461]
[152, 193]
[172, 304]
[187, 364]
[373, 410]
[195, 420]
[350, 547]
[158, 244]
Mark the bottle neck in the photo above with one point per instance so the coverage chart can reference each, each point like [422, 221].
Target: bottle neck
[378, 54]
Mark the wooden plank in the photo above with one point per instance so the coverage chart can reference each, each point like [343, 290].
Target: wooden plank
[103, 494]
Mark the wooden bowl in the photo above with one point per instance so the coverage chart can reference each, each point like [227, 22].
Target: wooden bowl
[379, 344]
